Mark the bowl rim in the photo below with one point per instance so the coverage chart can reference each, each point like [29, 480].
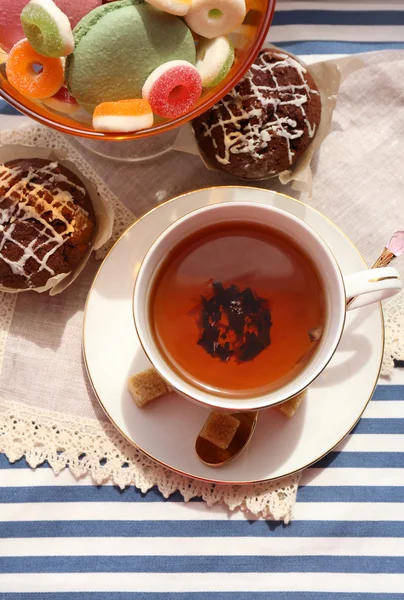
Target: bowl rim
[166, 126]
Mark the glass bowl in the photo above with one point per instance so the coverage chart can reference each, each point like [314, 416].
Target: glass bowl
[247, 41]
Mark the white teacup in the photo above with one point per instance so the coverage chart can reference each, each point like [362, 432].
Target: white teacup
[370, 286]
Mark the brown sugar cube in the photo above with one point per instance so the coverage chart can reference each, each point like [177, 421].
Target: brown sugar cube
[147, 386]
[219, 429]
[290, 407]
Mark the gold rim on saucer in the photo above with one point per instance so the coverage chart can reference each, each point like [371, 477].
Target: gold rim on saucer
[172, 468]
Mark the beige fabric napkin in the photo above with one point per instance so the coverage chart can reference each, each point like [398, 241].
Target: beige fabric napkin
[358, 182]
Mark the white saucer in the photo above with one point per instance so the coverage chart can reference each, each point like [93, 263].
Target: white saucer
[166, 430]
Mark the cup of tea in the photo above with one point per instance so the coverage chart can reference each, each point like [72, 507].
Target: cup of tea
[240, 306]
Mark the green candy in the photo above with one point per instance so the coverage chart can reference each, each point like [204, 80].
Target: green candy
[227, 65]
[47, 28]
[118, 45]
[214, 59]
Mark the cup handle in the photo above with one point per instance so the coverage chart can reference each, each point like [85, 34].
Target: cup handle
[370, 286]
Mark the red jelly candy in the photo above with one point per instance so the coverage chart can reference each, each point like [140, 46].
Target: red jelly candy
[62, 102]
[173, 88]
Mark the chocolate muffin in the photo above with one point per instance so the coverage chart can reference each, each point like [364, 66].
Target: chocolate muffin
[265, 123]
[47, 222]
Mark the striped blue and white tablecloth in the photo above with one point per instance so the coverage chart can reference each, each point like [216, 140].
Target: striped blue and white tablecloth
[63, 539]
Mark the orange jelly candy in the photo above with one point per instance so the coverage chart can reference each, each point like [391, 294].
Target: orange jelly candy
[33, 75]
[123, 116]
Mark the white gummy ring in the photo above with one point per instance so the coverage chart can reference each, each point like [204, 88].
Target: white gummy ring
[214, 59]
[212, 18]
[173, 7]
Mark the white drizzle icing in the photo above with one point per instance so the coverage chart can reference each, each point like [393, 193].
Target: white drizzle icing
[29, 201]
[255, 135]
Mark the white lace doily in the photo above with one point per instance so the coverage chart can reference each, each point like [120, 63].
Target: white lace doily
[89, 447]
[394, 327]
[98, 449]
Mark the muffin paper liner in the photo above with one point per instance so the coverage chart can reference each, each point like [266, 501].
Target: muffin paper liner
[328, 76]
[103, 211]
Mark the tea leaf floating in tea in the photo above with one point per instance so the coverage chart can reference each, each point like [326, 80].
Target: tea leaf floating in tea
[235, 324]
[315, 334]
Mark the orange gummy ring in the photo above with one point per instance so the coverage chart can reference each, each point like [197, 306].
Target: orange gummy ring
[44, 82]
